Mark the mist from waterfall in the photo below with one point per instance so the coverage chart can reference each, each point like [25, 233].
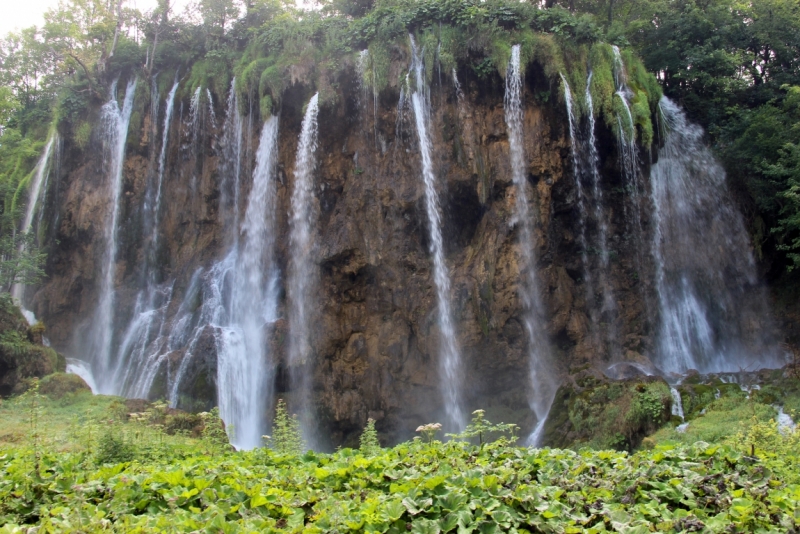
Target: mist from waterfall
[451, 378]
[713, 315]
[542, 378]
[302, 279]
[115, 122]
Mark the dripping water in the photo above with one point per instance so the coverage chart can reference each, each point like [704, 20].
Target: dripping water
[449, 357]
[541, 376]
[576, 171]
[609, 305]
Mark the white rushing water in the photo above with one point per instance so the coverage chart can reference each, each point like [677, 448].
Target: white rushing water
[38, 183]
[83, 370]
[232, 144]
[704, 268]
[449, 355]
[140, 354]
[245, 372]
[302, 279]
[543, 385]
[785, 423]
[162, 161]
[677, 403]
[115, 135]
[36, 189]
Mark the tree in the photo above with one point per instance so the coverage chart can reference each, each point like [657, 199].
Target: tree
[21, 261]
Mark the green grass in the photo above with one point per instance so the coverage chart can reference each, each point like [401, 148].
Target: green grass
[724, 417]
[66, 480]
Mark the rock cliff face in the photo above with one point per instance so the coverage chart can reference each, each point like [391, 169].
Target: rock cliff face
[375, 335]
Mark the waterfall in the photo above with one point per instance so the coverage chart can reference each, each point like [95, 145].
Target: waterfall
[36, 192]
[677, 403]
[38, 184]
[115, 135]
[577, 172]
[704, 268]
[162, 159]
[211, 113]
[140, 353]
[244, 373]
[609, 304]
[231, 166]
[154, 107]
[541, 376]
[626, 133]
[195, 132]
[302, 280]
[786, 426]
[141, 348]
[449, 357]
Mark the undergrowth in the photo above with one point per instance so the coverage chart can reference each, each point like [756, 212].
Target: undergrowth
[97, 475]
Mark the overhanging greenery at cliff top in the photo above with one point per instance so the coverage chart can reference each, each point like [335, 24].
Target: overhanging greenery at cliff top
[273, 47]
[287, 46]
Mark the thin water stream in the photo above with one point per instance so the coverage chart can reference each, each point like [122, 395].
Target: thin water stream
[449, 353]
[115, 135]
[302, 279]
[543, 385]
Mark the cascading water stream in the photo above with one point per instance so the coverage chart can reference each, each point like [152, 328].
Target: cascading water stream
[115, 136]
[542, 378]
[232, 153]
[626, 134]
[577, 173]
[35, 191]
[677, 403]
[449, 357]
[162, 161]
[302, 280]
[609, 304]
[245, 373]
[704, 269]
[140, 352]
[39, 180]
[211, 114]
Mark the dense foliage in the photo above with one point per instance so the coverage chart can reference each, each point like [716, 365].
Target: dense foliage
[75, 465]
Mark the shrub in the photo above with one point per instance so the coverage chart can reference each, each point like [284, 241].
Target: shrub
[369, 439]
[113, 448]
[287, 438]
